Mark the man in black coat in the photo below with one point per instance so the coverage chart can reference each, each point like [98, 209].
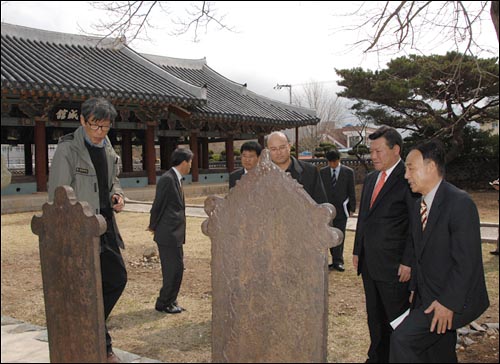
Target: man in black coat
[338, 181]
[382, 246]
[250, 153]
[448, 285]
[168, 223]
[305, 173]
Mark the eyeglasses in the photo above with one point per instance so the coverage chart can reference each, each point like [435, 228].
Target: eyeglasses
[97, 126]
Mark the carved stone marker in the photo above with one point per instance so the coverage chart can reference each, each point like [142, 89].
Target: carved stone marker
[270, 245]
[69, 254]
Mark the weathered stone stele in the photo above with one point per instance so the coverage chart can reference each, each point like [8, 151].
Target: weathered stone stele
[269, 269]
[69, 254]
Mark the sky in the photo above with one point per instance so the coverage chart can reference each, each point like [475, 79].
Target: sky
[271, 43]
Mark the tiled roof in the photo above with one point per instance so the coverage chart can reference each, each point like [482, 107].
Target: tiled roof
[39, 61]
[228, 100]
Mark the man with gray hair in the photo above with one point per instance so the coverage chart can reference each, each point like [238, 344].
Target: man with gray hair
[86, 161]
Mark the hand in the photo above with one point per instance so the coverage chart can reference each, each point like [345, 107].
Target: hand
[118, 202]
[495, 184]
[443, 317]
[404, 273]
[355, 260]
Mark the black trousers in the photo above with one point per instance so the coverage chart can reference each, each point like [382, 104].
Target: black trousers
[172, 269]
[338, 252]
[385, 301]
[412, 342]
[114, 278]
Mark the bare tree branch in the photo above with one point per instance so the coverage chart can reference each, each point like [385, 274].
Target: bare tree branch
[200, 17]
[402, 24]
[128, 20]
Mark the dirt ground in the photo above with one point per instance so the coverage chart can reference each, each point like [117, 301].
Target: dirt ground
[136, 327]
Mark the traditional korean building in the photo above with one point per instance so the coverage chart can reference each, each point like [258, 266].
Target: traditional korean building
[161, 101]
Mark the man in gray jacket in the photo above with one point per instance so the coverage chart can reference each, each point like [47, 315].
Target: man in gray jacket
[86, 161]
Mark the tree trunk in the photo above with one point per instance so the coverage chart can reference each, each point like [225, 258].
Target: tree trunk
[494, 15]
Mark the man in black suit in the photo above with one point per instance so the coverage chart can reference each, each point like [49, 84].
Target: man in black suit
[448, 284]
[382, 246]
[250, 153]
[338, 181]
[305, 173]
[168, 223]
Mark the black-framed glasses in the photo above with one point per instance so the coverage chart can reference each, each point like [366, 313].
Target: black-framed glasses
[97, 126]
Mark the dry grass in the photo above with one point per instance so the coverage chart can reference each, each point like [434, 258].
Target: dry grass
[138, 328]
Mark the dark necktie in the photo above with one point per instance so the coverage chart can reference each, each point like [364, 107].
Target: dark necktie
[182, 190]
[334, 178]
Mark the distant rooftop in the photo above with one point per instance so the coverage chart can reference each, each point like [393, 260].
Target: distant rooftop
[230, 100]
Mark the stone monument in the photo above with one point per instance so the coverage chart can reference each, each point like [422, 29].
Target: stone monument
[68, 234]
[270, 245]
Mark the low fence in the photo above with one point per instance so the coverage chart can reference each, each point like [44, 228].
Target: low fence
[470, 173]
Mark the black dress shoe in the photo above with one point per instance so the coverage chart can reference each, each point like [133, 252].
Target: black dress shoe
[172, 309]
[182, 308]
[330, 267]
[494, 252]
[339, 267]
[168, 308]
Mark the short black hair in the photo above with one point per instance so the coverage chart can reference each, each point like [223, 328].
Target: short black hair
[332, 155]
[390, 134]
[180, 155]
[251, 146]
[99, 108]
[433, 150]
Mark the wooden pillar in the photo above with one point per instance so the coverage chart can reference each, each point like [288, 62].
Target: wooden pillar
[127, 151]
[193, 143]
[144, 152]
[28, 159]
[205, 161]
[261, 141]
[297, 142]
[40, 156]
[230, 153]
[171, 146]
[150, 154]
[163, 152]
[200, 153]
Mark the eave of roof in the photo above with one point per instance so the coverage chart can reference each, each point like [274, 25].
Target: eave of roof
[39, 61]
[230, 100]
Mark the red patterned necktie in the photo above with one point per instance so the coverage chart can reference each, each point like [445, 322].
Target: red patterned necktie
[378, 187]
[423, 213]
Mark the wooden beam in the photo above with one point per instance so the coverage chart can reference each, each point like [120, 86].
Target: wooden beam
[179, 111]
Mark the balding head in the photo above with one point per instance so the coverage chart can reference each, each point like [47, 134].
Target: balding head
[279, 148]
[277, 137]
